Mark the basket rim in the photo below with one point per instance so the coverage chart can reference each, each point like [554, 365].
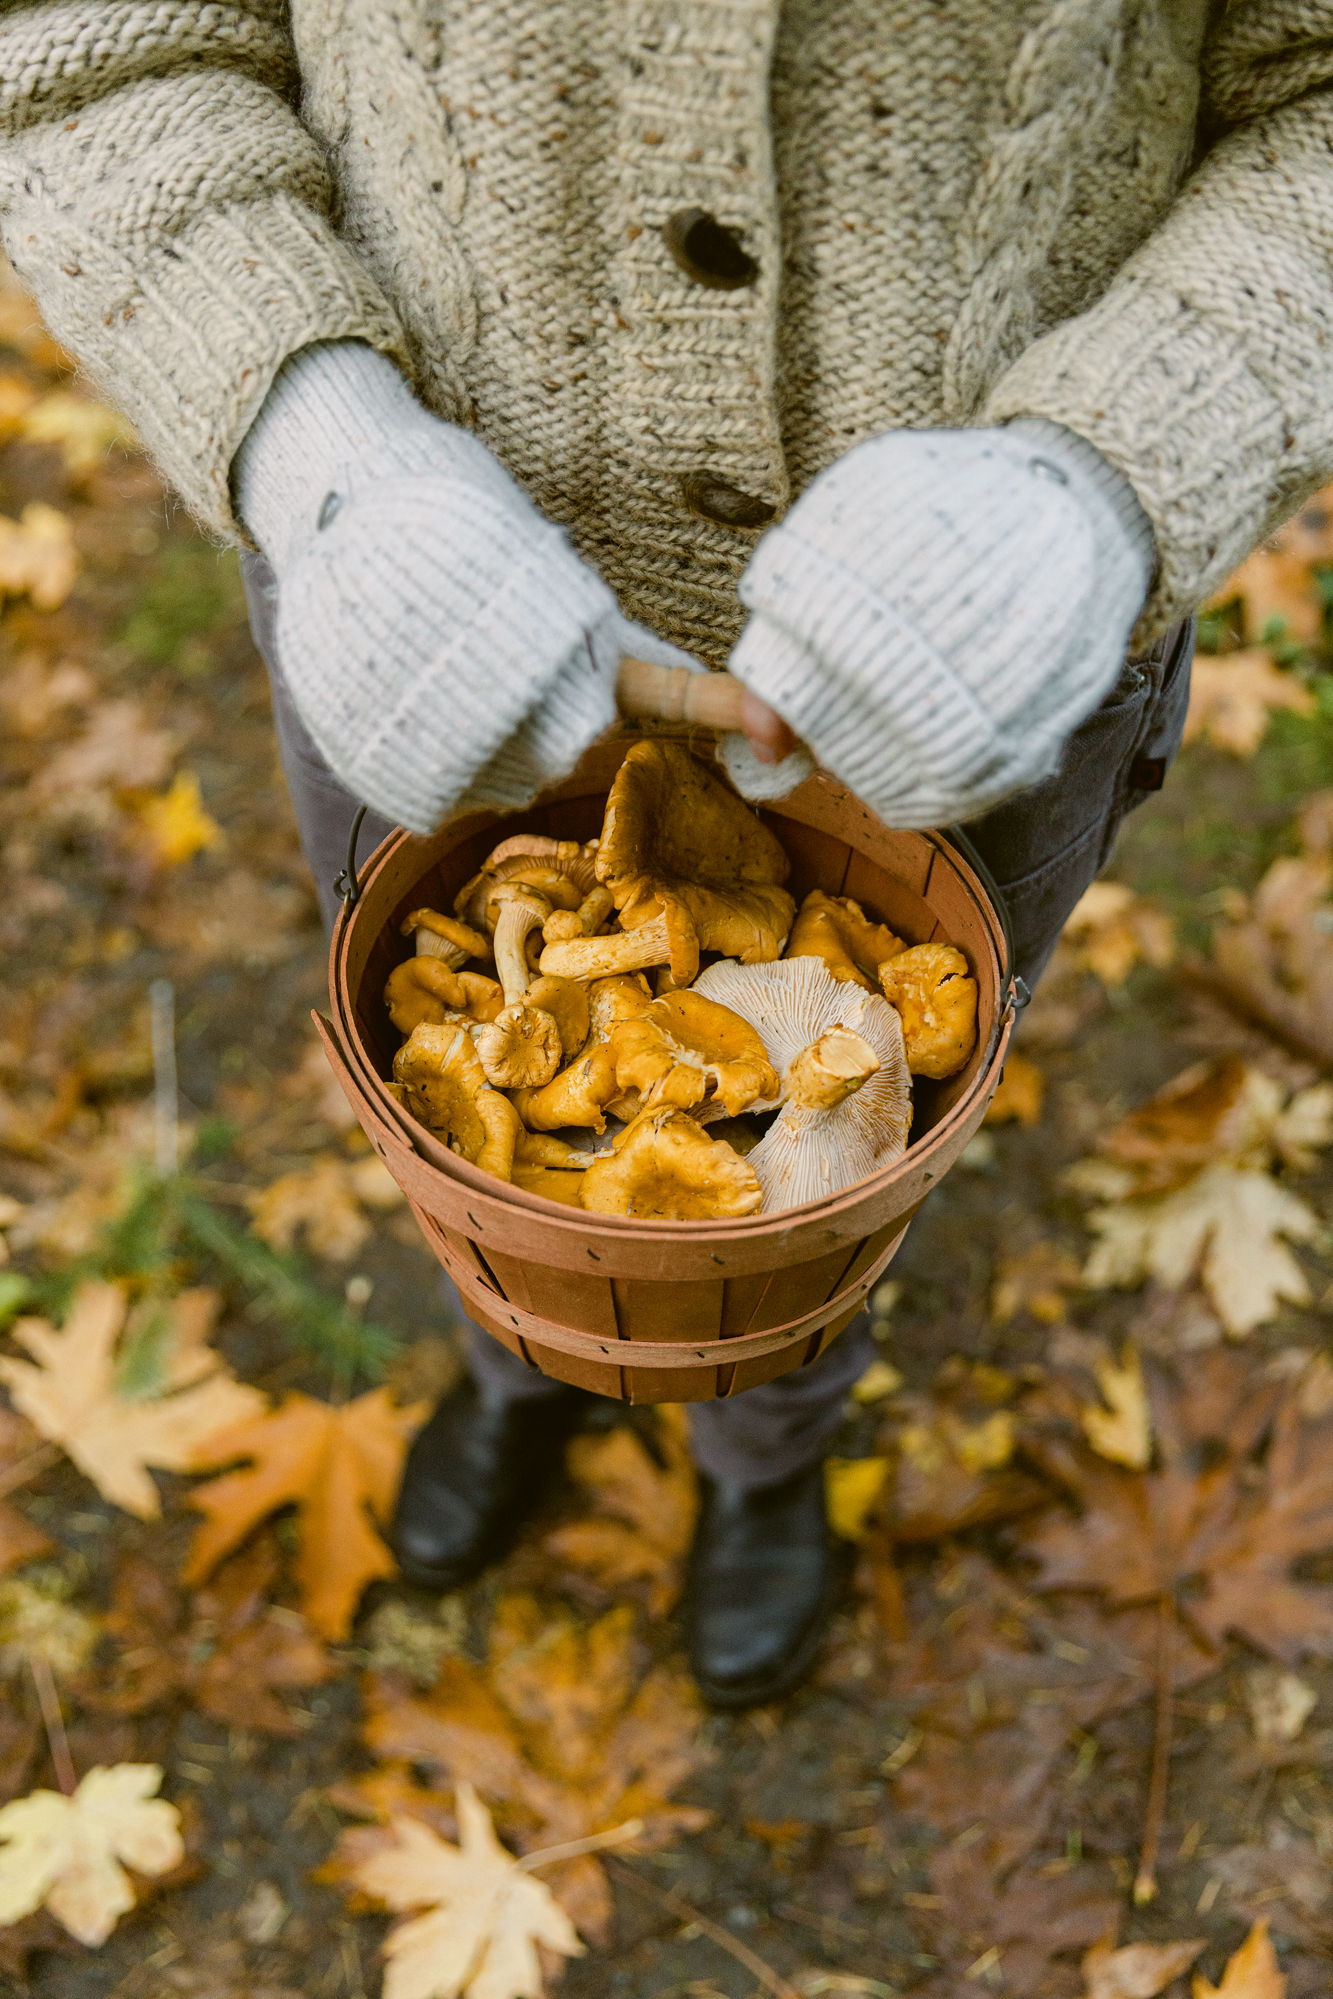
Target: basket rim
[577, 1221]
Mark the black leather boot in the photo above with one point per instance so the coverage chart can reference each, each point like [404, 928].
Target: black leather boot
[473, 1475]
[764, 1575]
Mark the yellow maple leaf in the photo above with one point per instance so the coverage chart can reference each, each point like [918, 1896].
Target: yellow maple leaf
[37, 556]
[1232, 697]
[71, 1397]
[323, 1203]
[84, 430]
[1121, 1431]
[66, 1853]
[175, 824]
[851, 1487]
[1019, 1097]
[482, 1914]
[1110, 930]
[1252, 1972]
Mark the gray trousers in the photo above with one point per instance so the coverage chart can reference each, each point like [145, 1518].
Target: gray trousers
[1043, 848]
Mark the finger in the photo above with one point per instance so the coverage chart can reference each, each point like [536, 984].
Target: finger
[767, 733]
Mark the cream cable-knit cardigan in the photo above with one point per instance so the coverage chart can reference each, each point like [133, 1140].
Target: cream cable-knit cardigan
[1117, 214]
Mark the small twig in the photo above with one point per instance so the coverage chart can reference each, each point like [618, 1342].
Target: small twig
[166, 1102]
[1145, 1882]
[54, 1722]
[619, 1835]
[19, 1473]
[768, 1978]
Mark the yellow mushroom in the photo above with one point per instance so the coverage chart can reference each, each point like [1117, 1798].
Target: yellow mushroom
[665, 1167]
[836, 929]
[936, 1000]
[582, 1093]
[444, 937]
[669, 939]
[689, 1052]
[443, 1084]
[520, 1048]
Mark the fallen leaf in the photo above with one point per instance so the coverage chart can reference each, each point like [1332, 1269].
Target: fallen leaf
[1288, 1870]
[37, 556]
[1241, 1490]
[173, 824]
[1121, 1431]
[35, 693]
[650, 1507]
[120, 749]
[1280, 1703]
[37, 1616]
[1019, 1097]
[22, 1456]
[400, 1639]
[1252, 1972]
[1275, 581]
[1037, 1281]
[1136, 1970]
[1110, 930]
[233, 1657]
[70, 1396]
[323, 1203]
[66, 1854]
[851, 1487]
[340, 1467]
[1275, 963]
[244, 920]
[83, 430]
[880, 1380]
[484, 1914]
[1232, 697]
[1018, 1931]
[561, 1731]
[17, 397]
[951, 1472]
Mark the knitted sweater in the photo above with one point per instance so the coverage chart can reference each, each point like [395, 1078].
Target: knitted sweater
[1114, 214]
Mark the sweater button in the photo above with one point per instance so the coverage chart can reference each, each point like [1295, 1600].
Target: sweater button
[707, 252]
[714, 500]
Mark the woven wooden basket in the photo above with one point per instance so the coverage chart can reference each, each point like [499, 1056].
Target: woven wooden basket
[665, 1311]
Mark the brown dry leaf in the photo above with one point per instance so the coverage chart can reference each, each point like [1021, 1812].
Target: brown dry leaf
[37, 556]
[1199, 1151]
[1232, 697]
[1016, 1933]
[69, 1855]
[1275, 580]
[1275, 964]
[952, 1471]
[1251, 1973]
[233, 1657]
[22, 1456]
[1122, 1431]
[120, 749]
[482, 1915]
[172, 826]
[243, 920]
[70, 1396]
[562, 1732]
[1037, 1281]
[34, 693]
[340, 1467]
[1136, 1970]
[649, 1507]
[1019, 1097]
[1287, 1878]
[1208, 1512]
[323, 1203]
[83, 430]
[1110, 930]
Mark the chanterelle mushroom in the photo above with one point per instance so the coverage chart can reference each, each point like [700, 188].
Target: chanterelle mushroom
[561, 870]
[675, 835]
[582, 1091]
[445, 937]
[687, 1051]
[843, 1074]
[836, 929]
[937, 1001]
[444, 1085]
[521, 1047]
[666, 1168]
[667, 939]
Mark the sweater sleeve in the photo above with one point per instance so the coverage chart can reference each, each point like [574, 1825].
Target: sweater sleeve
[170, 213]
[1205, 373]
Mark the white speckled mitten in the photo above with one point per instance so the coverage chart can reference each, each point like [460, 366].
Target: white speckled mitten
[444, 644]
[939, 610]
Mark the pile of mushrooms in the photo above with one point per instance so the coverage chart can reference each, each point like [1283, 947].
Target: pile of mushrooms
[528, 1013]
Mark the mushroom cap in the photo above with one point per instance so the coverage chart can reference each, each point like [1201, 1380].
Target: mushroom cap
[581, 1092]
[520, 1048]
[561, 870]
[836, 929]
[666, 1168]
[685, 1048]
[444, 1085]
[811, 1151]
[673, 832]
[423, 989]
[460, 938]
[936, 999]
[566, 1000]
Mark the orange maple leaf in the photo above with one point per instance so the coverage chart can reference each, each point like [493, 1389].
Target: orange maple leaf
[340, 1467]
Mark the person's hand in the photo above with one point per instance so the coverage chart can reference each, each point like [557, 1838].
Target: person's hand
[936, 613]
[444, 644]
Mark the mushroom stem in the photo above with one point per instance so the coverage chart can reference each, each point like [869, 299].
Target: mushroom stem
[563, 925]
[830, 1069]
[519, 914]
[633, 951]
[444, 937]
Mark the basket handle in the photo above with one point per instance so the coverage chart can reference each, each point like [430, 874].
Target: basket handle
[674, 694]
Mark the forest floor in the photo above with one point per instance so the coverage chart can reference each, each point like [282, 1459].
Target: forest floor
[1076, 1517]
